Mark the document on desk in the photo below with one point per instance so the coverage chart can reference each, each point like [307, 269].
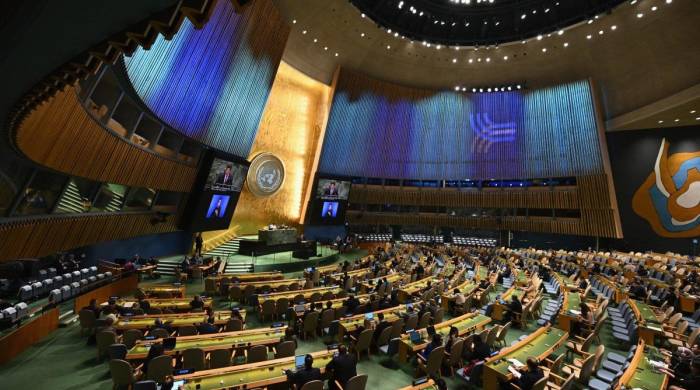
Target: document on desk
[514, 371]
[517, 363]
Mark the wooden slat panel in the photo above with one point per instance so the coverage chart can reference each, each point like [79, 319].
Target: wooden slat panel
[61, 135]
[44, 236]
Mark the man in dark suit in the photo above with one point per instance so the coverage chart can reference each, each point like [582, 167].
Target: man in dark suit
[331, 190]
[225, 178]
[208, 327]
[304, 375]
[530, 374]
[343, 367]
[380, 327]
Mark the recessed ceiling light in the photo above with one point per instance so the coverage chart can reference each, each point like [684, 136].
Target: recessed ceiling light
[613, 27]
[697, 119]
[315, 40]
[294, 21]
[388, 47]
[601, 32]
[336, 54]
[303, 32]
[457, 88]
[640, 15]
[661, 122]
[363, 15]
[454, 60]
[488, 59]
[471, 60]
[669, 1]
[544, 49]
[325, 48]
[505, 58]
[589, 36]
[654, 8]
[692, 111]
[561, 32]
[566, 44]
[362, 35]
[676, 120]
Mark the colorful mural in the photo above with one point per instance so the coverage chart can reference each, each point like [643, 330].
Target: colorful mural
[669, 198]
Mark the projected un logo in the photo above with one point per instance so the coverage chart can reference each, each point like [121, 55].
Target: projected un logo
[266, 174]
[488, 132]
[669, 199]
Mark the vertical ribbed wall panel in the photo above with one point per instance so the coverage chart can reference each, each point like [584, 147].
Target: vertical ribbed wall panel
[379, 129]
[212, 84]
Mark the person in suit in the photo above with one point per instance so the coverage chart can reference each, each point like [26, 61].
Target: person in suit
[225, 178]
[158, 324]
[197, 303]
[198, 243]
[208, 327]
[529, 375]
[380, 327]
[435, 341]
[343, 367]
[331, 190]
[304, 375]
[514, 307]
[217, 209]
[153, 352]
[144, 305]
[93, 307]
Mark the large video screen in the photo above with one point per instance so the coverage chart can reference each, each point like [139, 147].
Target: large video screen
[215, 193]
[332, 189]
[328, 212]
[225, 176]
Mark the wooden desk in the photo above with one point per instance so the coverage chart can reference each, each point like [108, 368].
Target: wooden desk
[429, 385]
[689, 303]
[465, 324]
[649, 326]
[640, 374]
[175, 320]
[252, 277]
[499, 310]
[210, 342]
[572, 301]
[272, 284]
[164, 291]
[148, 269]
[467, 289]
[350, 324]
[177, 304]
[539, 344]
[117, 288]
[291, 294]
[253, 375]
[366, 287]
[407, 290]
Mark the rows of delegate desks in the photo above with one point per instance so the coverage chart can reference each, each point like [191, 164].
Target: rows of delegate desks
[176, 320]
[465, 324]
[173, 304]
[253, 375]
[649, 326]
[226, 340]
[290, 295]
[641, 374]
[499, 309]
[163, 291]
[409, 289]
[538, 344]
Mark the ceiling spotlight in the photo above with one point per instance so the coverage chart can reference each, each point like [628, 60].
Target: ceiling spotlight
[669, 1]
[544, 50]
[363, 15]
[481, 90]
[660, 122]
[654, 8]
[560, 32]
[613, 27]
[336, 54]
[510, 88]
[457, 88]
[474, 90]
[303, 32]
[640, 15]
[388, 47]
[519, 86]
[589, 36]
[539, 37]
[692, 111]
[294, 21]
[325, 48]
[566, 44]
[464, 89]
[488, 59]
[471, 60]
[676, 120]
[362, 35]
[697, 119]
[454, 60]
[315, 40]
[505, 58]
[601, 32]
[489, 90]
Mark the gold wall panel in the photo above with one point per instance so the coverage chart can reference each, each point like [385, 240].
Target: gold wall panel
[291, 128]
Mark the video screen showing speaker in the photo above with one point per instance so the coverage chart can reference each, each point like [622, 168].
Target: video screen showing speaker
[225, 176]
[332, 189]
[327, 212]
[216, 192]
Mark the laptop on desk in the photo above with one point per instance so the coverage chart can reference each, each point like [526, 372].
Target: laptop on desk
[416, 337]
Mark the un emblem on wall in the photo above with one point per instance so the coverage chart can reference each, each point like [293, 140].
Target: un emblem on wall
[266, 174]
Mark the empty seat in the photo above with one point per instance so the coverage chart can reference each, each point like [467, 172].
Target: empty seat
[84, 272]
[75, 288]
[67, 278]
[93, 270]
[55, 296]
[22, 310]
[108, 275]
[76, 275]
[37, 289]
[92, 279]
[65, 292]
[100, 277]
[48, 285]
[25, 292]
[84, 284]
[10, 313]
[43, 274]
[58, 281]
